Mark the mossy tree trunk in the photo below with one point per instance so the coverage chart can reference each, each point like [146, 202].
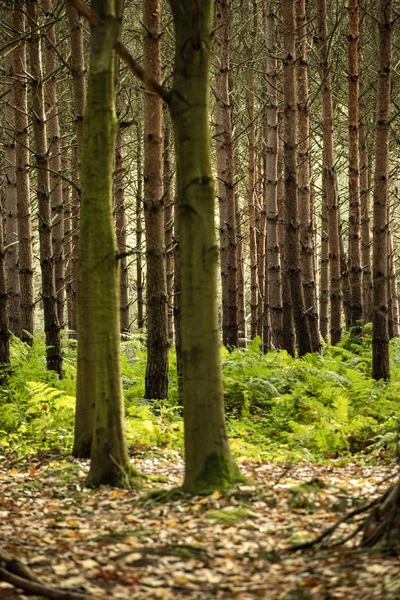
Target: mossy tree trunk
[98, 306]
[380, 332]
[208, 461]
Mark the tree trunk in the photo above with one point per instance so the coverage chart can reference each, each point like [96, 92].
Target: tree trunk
[98, 307]
[22, 176]
[292, 242]
[139, 232]
[169, 228]
[10, 192]
[79, 96]
[355, 278]
[274, 272]
[156, 290]
[208, 461]
[382, 527]
[121, 223]
[54, 157]
[380, 336]
[329, 178]
[226, 176]
[49, 299]
[304, 178]
[324, 270]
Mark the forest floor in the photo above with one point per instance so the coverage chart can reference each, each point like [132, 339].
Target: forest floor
[121, 544]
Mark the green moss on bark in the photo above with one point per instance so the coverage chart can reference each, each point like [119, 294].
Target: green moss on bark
[219, 473]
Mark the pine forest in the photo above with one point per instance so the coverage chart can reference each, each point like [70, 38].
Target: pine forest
[199, 299]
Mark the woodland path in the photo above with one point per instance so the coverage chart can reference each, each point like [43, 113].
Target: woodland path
[112, 543]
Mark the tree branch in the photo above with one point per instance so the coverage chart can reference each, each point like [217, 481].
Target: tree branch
[149, 83]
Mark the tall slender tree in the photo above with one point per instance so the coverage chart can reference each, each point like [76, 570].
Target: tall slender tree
[48, 292]
[355, 277]
[225, 171]
[156, 289]
[329, 188]
[208, 461]
[304, 177]
[22, 174]
[292, 240]
[380, 333]
[98, 268]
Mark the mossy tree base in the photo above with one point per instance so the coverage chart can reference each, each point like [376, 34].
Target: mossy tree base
[382, 528]
[128, 478]
[219, 473]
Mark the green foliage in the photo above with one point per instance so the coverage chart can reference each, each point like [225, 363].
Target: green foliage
[280, 408]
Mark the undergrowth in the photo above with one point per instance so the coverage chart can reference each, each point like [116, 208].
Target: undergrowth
[315, 408]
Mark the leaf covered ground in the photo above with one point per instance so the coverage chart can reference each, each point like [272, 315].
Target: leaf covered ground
[123, 544]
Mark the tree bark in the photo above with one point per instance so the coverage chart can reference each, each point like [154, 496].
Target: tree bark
[10, 191]
[208, 461]
[48, 292]
[380, 335]
[169, 228]
[273, 261]
[292, 241]
[54, 157]
[98, 268]
[226, 176]
[79, 97]
[156, 385]
[304, 178]
[329, 177]
[121, 223]
[139, 232]
[22, 176]
[355, 277]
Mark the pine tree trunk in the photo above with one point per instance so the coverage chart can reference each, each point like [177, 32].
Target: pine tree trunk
[79, 97]
[225, 172]
[329, 176]
[292, 242]
[304, 178]
[54, 151]
[380, 335]
[48, 292]
[324, 270]
[121, 224]
[274, 273]
[10, 192]
[355, 278]
[156, 384]
[208, 461]
[169, 228]
[98, 307]
[22, 176]
[139, 233]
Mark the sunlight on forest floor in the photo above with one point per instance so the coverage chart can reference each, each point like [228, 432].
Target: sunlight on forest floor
[113, 543]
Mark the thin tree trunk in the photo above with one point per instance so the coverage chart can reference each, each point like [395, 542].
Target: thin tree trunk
[169, 227]
[49, 299]
[380, 335]
[22, 176]
[225, 172]
[156, 385]
[54, 160]
[329, 177]
[242, 330]
[274, 273]
[304, 178]
[324, 270]
[292, 242]
[139, 232]
[121, 223]
[355, 277]
[208, 462]
[79, 96]
[10, 194]
[365, 187]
